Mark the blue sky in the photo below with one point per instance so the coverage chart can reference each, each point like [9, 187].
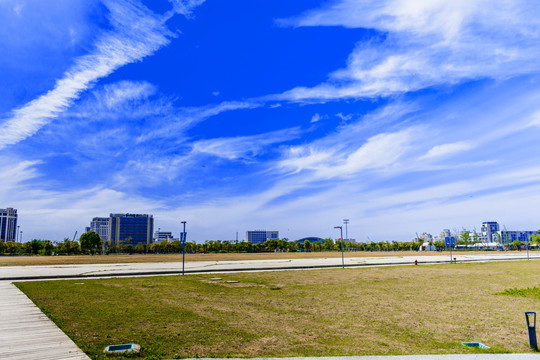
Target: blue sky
[402, 116]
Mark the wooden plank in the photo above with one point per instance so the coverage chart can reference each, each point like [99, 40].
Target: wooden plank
[26, 333]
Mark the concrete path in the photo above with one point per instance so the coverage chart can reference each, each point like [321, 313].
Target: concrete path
[13, 273]
[26, 333]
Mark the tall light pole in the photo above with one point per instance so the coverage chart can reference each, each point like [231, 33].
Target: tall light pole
[341, 242]
[183, 243]
[346, 222]
[527, 248]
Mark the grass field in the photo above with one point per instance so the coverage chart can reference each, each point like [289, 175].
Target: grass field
[138, 258]
[368, 311]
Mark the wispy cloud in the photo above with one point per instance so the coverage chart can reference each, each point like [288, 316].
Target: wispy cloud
[135, 34]
[446, 149]
[244, 147]
[379, 152]
[425, 44]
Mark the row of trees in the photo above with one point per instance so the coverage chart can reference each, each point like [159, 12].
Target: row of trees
[90, 243]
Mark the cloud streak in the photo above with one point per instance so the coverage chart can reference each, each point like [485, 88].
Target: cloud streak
[425, 44]
[135, 34]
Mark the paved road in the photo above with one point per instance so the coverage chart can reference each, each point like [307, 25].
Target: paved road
[13, 273]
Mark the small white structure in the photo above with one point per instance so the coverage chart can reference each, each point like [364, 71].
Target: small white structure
[488, 245]
[427, 247]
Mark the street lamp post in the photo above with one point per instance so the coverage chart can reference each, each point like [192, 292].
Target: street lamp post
[183, 243]
[346, 222]
[341, 242]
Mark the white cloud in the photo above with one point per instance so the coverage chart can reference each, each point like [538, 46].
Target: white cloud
[426, 43]
[344, 117]
[378, 152]
[243, 147]
[534, 119]
[446, 149]
[135, 33]
[179, 119]
[114, 95]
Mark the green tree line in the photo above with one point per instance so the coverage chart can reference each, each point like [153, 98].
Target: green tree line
[90, 243]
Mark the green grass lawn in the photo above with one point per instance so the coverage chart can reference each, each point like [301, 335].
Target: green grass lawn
[369, 311]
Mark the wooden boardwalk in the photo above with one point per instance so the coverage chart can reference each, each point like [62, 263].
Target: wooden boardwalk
[26, 333]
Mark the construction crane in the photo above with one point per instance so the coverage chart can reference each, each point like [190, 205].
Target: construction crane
[74, 235]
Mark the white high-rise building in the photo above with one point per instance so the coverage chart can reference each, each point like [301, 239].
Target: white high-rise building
[100, 225]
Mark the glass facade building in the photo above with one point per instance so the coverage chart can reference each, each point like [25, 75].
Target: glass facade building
[260, 236]
[8, 224]
[508, 237]
[131, 229]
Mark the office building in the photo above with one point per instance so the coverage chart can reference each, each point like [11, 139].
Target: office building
[8, 224]
[487, 230]
[260, 236]
[131, 229]
[508, 237]
[100, 225]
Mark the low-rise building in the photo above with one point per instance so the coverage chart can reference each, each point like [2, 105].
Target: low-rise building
[260, 236]
[160, 236]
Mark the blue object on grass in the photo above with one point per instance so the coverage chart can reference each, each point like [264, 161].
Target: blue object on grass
[475, 344]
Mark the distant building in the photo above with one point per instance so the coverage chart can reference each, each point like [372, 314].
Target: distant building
[8, 224]
[160, 236]
[426, 237]
[131, 229]
[487, 230]
[311, 240]
[260, 236]
[100, 225]
[508, 237]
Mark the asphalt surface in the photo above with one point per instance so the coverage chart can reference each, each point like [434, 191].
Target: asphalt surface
[17, 273]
